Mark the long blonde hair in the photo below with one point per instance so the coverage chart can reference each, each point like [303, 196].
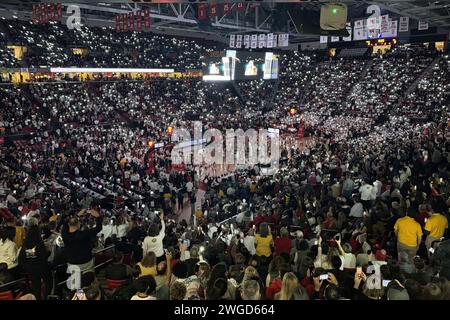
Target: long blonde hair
[289, 286]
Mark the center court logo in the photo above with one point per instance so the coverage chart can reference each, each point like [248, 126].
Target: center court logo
[232, 147]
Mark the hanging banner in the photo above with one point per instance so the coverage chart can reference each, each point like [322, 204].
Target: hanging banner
[404, 24]
[138, 19]
[323, 39]
[239, 41]
[384, 25]
[349, 30]
[118, 23]
[359, 24]
[270, 40]
[55, 12]
[201, 14]
[44, 13]
[34, 14]
[131, 21]
[262, 41]
[372, 23]
[226, 9]
[393, 29]
[232, 40]
[59, 11]
[240, 6]
[247, 41]
[334, 39]
[283, 40]
[423, 25]
[147, 20]
[213, 10]
[359, 34]
[275, 40]
[125, 22]
[372, 33]
[254, 41]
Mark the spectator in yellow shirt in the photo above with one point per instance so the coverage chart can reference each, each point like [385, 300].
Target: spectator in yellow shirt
[409, 235]
[435, 228]
[264, 241]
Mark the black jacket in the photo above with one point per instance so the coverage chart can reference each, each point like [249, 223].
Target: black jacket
[79, 244]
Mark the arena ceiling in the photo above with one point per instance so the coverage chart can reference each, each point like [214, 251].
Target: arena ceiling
[179, 17]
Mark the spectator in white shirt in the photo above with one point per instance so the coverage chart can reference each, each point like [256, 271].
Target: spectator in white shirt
[8, 248]
[357, 210]
[154, 240]
[249, 242]
[189, 187]
[366, 191]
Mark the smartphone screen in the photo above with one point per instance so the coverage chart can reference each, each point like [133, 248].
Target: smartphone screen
[386, 282]
[323, 277]
[358, 270]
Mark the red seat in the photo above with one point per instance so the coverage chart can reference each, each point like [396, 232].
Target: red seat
[114, 284]
[7, 295]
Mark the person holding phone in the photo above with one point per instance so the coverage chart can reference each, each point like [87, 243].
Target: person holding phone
[79, 243]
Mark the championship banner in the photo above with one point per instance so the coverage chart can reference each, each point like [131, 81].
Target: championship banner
[55, 12]
[131, 21]
[270, 40]
[423, 25]
[254, 41]
[349, 29]
[147, 20]
[125, 22]
[201, 12]
[323, 39]
[50, 12]
[213, 10]
[283, 40]
[372, 33]
[247, 41]
[44, 16]
[385, 25]
[232, 40]
[404, 24]
[34, 15]
[372, 23]
[359, 34]
[59, 11]
[275, 40]
[240, 6]
[262, 41]
[118, 23]
[226, 9]
[393, 29]
[334, 39]
[239, 41]
[138, 18]
[359, 24]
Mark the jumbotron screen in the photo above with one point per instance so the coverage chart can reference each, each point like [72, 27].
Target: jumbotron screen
[241, 65]
[217, 69]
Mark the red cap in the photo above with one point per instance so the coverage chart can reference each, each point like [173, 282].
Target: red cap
[380, 255]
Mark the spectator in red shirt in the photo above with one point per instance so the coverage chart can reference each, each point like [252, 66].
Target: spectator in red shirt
[283, 243]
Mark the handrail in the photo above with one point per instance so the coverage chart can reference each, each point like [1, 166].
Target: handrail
[5, 285]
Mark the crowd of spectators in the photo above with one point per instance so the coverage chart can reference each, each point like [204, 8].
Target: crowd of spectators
[361, 214]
